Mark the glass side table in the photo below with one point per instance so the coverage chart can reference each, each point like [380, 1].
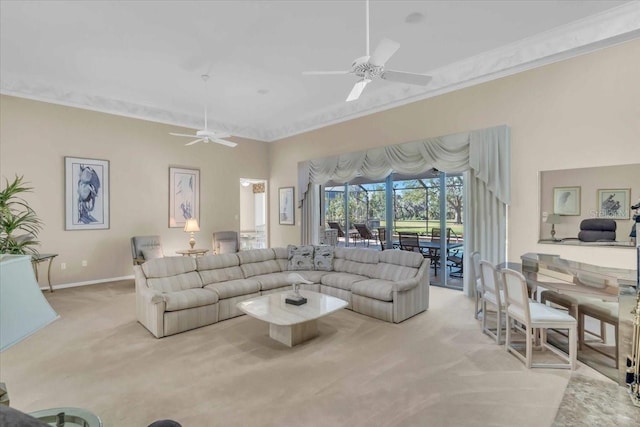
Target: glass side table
[68, 417]
[193, 252]
[37, 259]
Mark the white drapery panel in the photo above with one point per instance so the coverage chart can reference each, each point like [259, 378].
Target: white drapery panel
[310, 216]
[484, 153]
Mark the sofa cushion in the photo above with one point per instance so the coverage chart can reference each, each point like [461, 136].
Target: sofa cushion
[282, 257]
[272, 280]
[355, 261]
[397, 265]
[313, 275]
[258, 261]
[323, 258]
[234, 288]
[176, 283]
[341, 280]
[300, 257]
[219, 268]
[189, 298]
[404, 258]
[381, 290]
[168, 266]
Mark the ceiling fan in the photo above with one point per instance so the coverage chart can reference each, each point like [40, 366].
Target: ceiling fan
[370, 66]
[207, 135]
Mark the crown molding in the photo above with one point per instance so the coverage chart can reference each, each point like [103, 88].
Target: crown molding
[605, 29]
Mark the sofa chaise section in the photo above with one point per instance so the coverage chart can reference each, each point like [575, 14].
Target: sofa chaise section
[398, 287]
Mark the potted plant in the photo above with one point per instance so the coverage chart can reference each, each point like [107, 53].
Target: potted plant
[19, 224]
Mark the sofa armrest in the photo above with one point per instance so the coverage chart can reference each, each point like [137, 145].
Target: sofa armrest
[405, 285]
[150, 305]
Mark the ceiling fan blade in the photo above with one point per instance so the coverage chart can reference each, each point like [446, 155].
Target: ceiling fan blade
[402, 77]
[224, 142]
[357, 89]
[323, 73]
[385, 49]
[194, 141]
[183, 134]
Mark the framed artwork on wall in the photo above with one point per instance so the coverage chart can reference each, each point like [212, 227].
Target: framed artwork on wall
[184, 196]
[613, 204]
[285, 206]
[86, 188]
[566, 200]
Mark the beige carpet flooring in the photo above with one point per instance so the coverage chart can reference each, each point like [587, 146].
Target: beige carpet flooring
[435, 369]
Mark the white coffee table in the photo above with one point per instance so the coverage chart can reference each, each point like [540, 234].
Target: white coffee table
[291, 324]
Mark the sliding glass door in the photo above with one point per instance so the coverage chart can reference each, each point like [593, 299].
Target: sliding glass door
[424, 204]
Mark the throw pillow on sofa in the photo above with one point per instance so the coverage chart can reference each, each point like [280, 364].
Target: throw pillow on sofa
[299, 257]
[323, 258]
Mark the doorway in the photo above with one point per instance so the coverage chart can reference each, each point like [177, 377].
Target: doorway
[253, 214]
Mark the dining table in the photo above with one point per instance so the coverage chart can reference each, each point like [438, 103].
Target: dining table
[432, 247]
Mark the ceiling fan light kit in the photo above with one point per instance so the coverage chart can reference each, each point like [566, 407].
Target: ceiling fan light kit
[369, 67]
[207, 135]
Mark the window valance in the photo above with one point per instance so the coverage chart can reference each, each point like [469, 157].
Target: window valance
[485, 151]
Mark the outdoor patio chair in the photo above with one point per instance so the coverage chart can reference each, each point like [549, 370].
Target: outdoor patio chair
[336, 226]
[365, 233]
[382, 237]
[409, 242]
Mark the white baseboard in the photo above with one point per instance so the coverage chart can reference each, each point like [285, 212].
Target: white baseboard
[88, 282]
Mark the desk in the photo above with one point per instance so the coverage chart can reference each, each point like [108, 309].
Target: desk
[193, 252]
[37, 259]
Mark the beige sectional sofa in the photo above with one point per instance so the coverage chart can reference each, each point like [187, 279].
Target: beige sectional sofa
[176, 294]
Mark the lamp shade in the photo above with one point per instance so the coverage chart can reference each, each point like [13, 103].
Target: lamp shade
[23, 308]
[553, 219]
[191, 225]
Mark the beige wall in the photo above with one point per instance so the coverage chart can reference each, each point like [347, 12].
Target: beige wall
[35, 137]
[589, 180]
[576, 113]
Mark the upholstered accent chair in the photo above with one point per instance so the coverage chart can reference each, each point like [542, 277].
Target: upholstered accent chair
[144, 248]
[225, 242]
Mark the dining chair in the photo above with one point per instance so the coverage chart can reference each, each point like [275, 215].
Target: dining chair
[409, 242]
[455, 262]
[534, 316]
[493, 295]
[434, 253]
[476, 279]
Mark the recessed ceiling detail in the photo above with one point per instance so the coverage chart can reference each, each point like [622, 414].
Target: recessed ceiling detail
[77, 56]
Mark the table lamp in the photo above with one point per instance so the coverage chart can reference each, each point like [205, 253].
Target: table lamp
[191, 227]
[553, 219]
